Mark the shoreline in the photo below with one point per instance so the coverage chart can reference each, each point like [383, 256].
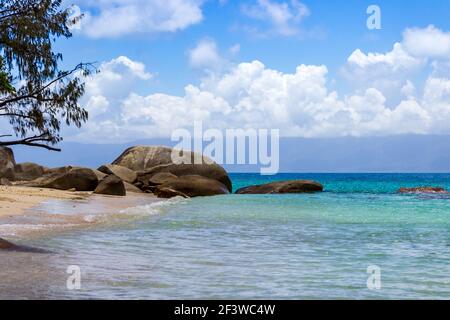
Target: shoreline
[15, 200]
[26, 212]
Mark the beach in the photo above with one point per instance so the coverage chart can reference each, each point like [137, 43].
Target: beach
[29, 212]
[15, 200]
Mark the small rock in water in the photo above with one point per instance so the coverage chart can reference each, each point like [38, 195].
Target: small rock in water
[8, 246]
[291, 186]
[423, 190]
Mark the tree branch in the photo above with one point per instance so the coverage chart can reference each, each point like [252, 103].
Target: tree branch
[35, 141]
[33, 95]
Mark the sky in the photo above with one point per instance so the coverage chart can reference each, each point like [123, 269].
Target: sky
[312, 69]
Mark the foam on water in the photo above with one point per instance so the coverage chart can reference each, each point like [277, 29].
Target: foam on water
[154, 208]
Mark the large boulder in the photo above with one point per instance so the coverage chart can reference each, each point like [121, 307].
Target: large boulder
[123, 173]
[160, 178]
[292, 186]
[423, 190]
[131, 188]
[111, 185]
[100, 175]
[190, 186]
[150, 160]
[28, 171]
[7, 163]
[140, 158]
[65, 178]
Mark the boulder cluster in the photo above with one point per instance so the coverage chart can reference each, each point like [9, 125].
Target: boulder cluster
[141, 169]
[138, 169]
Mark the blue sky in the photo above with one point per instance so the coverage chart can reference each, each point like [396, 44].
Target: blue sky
[152, 50]
[340, 27]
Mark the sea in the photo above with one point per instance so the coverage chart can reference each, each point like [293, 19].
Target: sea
[359, 239]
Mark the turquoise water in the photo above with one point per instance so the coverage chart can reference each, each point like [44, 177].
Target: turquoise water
[307, 246]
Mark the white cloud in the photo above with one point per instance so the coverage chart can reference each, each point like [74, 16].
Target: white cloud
[428, 42]
[388, 72]
[114, 18]
[235, 49]
[408, 90]
[283, 17]
[385, 71]
[417, 47]
[205, 55]
[250, 95]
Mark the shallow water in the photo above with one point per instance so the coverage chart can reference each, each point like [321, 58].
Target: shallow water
[310, 246]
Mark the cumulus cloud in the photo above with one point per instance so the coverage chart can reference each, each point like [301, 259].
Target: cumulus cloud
[388, 72]
[429, 42]
[418, 46]
[283, 18]
[251, 95]
[114, 18]
[205, 55]
[384, 71]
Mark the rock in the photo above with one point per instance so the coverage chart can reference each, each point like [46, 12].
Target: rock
[5, 182]
[140, 158]
[111, 185]
[123, 173]
[160, 178]
[292, 186]
[80, 179]
[190, 186]
[28, 171]
[7, 163]
[8, 246]
[150, 160]
[423, 190]
[166, 193]
[100, 175]
[131, 188]
[57, 171]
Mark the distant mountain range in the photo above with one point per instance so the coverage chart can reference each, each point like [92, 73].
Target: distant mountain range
[374, 154]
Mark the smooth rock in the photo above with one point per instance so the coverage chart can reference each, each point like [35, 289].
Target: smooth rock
[190, 186]
[150, 160]
[111, 185]
[123, 173]
[7, 163]
[5, 182]
[160, 178]
[8, 246]
[131, 188]
[28, 171]
[80, 179]
[292, 186]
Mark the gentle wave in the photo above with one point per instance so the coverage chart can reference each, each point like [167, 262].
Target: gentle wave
[154, 208]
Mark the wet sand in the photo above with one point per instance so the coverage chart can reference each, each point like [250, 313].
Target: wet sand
[15, 200]
[29, 212]
[33, 216]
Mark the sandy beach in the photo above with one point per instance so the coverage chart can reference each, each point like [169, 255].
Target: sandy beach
[26, 211]
[15, 200]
